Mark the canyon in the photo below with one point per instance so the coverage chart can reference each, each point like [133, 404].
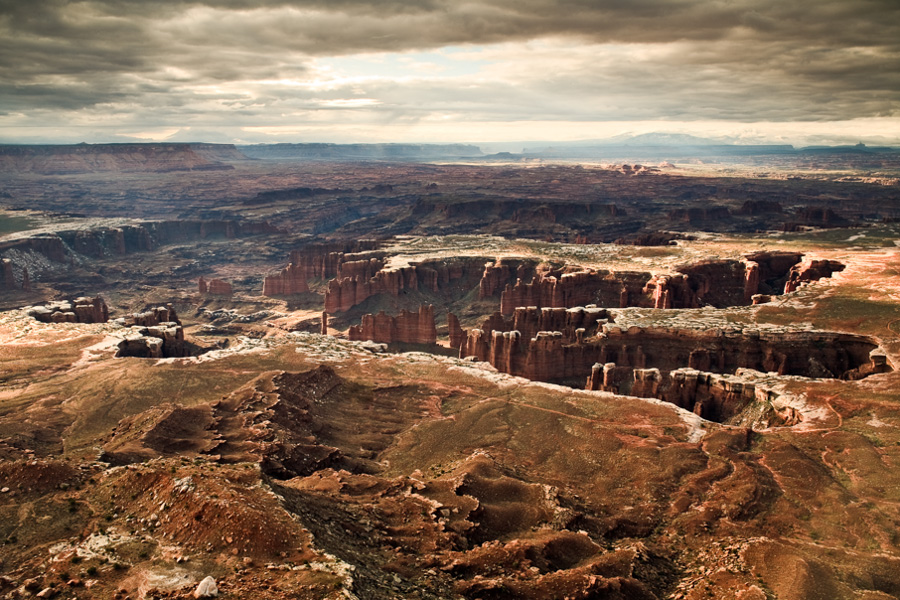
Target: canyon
[304, 376]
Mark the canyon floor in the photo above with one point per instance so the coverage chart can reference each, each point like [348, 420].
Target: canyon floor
[656, 382]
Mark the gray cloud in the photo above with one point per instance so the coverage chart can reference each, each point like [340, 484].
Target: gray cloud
[193, 62]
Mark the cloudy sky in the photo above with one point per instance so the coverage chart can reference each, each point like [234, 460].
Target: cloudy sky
[800, 71]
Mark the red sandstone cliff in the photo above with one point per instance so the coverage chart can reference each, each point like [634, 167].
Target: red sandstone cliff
[407, 327]
[321, 261]
[549, 356]
[343, 293]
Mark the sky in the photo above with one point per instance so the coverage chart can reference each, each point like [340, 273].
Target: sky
[242, 71]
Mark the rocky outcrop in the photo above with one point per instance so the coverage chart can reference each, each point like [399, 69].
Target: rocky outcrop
[165, 340]
[154, 333]
[291, 280]
[811, 270]
[407, 327]
[217, 287]
[152, 317]
[696, 214]
[760, 208]
[719, 283]
[80, 310]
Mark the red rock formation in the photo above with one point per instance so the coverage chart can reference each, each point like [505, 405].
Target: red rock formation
[291, 280]
[80, 310]
[319, 261]
[604, 288]
[361, 269]
[343, 294]
[812, 270]
[457, 333]
[154, 316]
[217, 287]
[811, 354]
[878, 363]
[407, 327]
[159, 341]
[497, 275]
[324, 323]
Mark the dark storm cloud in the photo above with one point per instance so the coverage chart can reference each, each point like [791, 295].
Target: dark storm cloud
[729, 59]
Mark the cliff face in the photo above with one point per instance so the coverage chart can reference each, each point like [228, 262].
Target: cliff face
[316, 261]
[407, 327]
[551, 356]
[344, 293]
[712, 396]
[567, 290]
[99, 242]
[95, 158]
[719, 283]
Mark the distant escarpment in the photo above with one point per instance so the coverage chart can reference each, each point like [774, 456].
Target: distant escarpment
[98, 158]
[71, 245]
[398, 152]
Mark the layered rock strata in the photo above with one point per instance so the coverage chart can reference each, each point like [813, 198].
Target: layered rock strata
[344, 293]
[718, 283]
[550, 356]
[407, 327]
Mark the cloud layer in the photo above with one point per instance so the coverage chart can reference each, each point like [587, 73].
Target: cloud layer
[403, 68]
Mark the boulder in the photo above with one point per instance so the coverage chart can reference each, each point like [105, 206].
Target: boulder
[207, 588]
